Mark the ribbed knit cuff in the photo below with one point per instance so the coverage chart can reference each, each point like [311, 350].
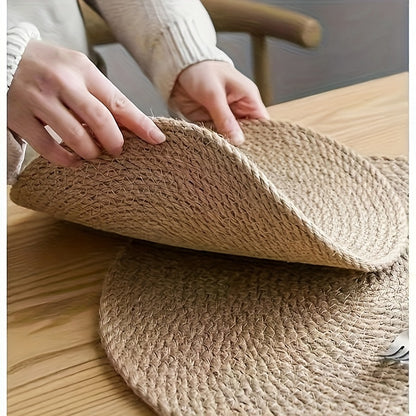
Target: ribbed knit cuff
[182, 45]
[17, 39]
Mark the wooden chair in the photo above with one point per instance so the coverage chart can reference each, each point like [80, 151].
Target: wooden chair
[259, 20]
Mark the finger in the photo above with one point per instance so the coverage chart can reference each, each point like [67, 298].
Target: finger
[247, 103]
[248, 108]
[46, 146]
[74, 135]
[224, 119]
[258, 109]
[98, 118]
[123, 110]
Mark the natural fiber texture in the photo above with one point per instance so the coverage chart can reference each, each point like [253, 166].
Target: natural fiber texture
[288, 194]
[197, 333]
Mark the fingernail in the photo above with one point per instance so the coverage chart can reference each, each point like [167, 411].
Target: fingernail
[237, 138]
[157, 136]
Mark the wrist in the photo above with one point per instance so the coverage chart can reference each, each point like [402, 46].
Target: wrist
[184, 43]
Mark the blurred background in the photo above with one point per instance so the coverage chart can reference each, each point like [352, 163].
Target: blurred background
[361, 40]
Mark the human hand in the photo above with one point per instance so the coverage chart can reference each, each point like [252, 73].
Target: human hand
[214, 90]
[63, 89]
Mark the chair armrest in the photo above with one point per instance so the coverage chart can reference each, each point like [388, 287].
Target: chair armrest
[264, 20]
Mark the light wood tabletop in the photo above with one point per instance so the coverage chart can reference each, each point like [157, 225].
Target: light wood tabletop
[56, 365]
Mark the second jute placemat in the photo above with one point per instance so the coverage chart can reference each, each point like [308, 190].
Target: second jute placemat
[203, 334]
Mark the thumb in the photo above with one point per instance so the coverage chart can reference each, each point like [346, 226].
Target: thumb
[224, 119]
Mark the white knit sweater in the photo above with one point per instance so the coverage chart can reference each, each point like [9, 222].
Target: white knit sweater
[164, 36]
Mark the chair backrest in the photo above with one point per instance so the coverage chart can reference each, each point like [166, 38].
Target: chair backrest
[259, 20]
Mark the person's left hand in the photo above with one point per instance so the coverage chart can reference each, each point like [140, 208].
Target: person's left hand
[214, 90]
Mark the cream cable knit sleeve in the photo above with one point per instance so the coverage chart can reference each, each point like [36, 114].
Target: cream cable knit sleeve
[17, 38]
[164, 36]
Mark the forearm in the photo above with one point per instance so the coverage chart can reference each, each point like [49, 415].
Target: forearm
[164, 36]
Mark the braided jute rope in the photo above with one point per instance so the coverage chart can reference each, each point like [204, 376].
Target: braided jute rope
[287, 194]
[196, 333]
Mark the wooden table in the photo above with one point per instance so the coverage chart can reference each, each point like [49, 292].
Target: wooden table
[55, 269]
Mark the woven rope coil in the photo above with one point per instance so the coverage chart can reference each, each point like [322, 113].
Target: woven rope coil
[288, 194]
[196, 333]
[203, 333]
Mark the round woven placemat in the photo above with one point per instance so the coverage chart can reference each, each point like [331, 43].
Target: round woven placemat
[197, 333]
[288, 194]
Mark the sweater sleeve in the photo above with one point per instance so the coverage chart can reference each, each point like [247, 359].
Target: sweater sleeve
[17, 39]
[164, 36]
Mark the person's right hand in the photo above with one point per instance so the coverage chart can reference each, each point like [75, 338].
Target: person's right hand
[63, 89]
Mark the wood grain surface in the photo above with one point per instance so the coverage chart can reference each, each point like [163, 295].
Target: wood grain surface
[372, 117]
[56, 365]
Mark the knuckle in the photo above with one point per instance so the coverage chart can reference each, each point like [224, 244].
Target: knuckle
[79, 58]
[52, 82]
[118, 103]
[99, 116]
[76, 133]
[94, 113]
[48, 82]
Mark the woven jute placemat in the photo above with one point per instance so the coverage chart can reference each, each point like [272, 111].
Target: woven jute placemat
[200, 333]
[288, 194]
